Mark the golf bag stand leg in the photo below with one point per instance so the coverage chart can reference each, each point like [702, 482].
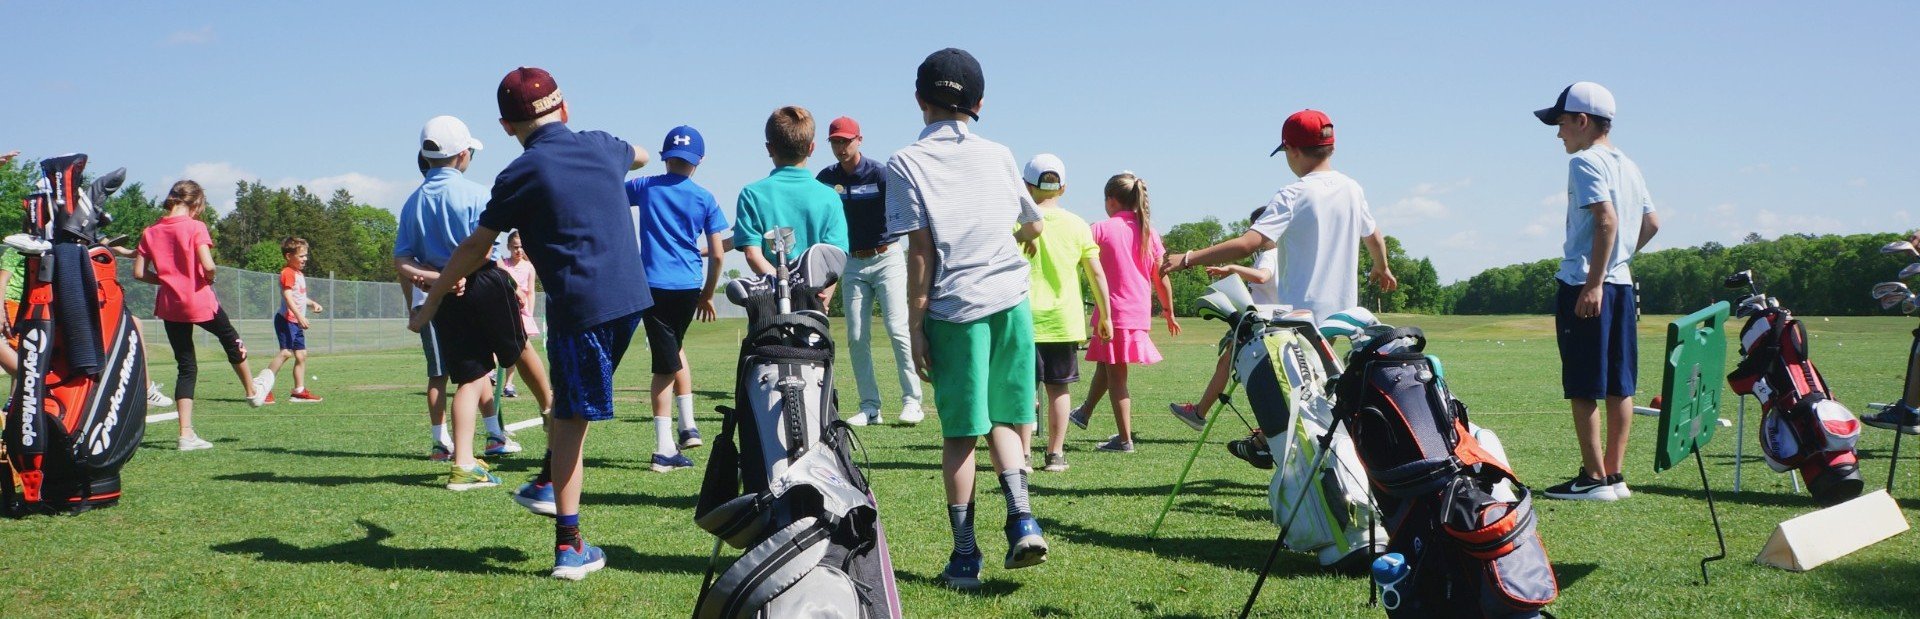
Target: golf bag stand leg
[1212, 416]
[1319, 459]
[1739, 441]
[1714, 513]
[1894, 462]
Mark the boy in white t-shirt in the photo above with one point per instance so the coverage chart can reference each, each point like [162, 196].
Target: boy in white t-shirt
[1312, 223]
[1266, 291]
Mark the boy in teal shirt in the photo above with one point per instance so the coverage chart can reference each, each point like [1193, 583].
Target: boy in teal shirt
[1064, 247]
[789, 197]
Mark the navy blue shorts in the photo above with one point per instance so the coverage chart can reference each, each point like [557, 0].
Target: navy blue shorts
[582, 365]
[1599, 356]
[291, 336]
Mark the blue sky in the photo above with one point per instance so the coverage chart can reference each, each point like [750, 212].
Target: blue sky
[1745, 117]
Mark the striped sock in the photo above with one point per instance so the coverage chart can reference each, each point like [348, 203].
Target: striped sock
[961, 517]
[1013, 484]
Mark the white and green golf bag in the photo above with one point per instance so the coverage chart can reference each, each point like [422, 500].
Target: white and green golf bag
[1284, 370]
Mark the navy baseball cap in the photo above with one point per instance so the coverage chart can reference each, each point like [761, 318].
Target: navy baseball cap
[684, 143]
[951, 79]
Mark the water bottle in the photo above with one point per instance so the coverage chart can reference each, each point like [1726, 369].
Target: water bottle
[1388, 571]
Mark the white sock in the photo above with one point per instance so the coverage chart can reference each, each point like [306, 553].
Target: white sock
[685, 403]
[493, 427]
[440, 435]
[663, 442]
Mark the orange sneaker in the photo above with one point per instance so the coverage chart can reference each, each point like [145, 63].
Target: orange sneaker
[306, 397]
[269, 399]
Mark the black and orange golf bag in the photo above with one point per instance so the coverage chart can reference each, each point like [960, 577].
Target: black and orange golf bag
[1803, 428]
[78, 407]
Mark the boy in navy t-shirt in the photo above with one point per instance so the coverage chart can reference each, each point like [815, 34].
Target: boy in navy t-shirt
[674, 215]
[565, 195]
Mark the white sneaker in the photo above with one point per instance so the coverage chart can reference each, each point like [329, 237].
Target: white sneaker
[865, 418]
[262, 387]
[157, 398]
[194, 443]
[911, 414]
[28, 244]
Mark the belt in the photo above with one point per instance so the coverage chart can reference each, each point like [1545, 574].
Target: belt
[864, 254]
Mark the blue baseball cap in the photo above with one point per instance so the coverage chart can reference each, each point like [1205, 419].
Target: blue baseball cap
[684, 143]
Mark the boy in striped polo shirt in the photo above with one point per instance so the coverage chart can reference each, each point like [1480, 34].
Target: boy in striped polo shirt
[956, 195]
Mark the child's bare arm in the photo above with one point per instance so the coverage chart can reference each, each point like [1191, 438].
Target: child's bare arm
[1028, 231]
[1226, 251]
[468, 256]
[1097, 280]
[919, 287]
[1163, 288]
[1382, 273]
[142, 272]
[205, 253]
[757, 261]
[1250, 274]
[715, 258]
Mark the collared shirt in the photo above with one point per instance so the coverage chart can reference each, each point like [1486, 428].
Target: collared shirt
[1131, 271]
[440, 214]
[566, 195]
[789, 197]
[672, 214]
[172, 246]
[966, 192]
[1065, 242]
[863, 197]
[1595, 175]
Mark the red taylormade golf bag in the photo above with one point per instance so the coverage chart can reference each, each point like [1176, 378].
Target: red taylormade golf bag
[78, 408]
[1802, 426]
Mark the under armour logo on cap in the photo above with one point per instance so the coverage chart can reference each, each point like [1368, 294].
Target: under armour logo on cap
[681, 140]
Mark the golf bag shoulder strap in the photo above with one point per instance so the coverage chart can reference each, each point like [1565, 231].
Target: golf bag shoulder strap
[777, 325]
[1419, 341]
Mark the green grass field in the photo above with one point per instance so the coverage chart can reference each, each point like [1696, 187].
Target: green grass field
[332, 508]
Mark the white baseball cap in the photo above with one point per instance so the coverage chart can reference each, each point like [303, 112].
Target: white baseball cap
[446, 136]
[1042, 164]
[1580, 98]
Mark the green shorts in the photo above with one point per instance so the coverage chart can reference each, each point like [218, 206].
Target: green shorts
[982, 371]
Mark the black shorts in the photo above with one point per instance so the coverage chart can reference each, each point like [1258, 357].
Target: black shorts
[1057, 363]
[666, 323]
[480, 330]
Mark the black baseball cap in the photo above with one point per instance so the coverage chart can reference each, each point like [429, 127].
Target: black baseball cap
[951, 78]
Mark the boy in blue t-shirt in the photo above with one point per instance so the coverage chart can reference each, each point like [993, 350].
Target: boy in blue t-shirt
[789, 197]
[565, 195]
[674, 214]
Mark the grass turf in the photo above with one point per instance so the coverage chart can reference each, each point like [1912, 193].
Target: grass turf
[332, 508]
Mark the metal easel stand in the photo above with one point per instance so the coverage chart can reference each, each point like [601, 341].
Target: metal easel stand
[1711, 511]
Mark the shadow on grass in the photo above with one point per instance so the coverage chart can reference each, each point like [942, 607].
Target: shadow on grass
[900, 466]
[630, 499]
[628, 559]
[1875, 587]
[989, 588]
[1568, 573]
[333, 481]
[373, 552]
[326, 453]
[1727, 495]
[1201, 487]
[1228, 552]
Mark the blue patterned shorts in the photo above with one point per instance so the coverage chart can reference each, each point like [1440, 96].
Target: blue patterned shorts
[582, 365]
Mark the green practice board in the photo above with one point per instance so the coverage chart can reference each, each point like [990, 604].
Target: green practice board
[1696, 370]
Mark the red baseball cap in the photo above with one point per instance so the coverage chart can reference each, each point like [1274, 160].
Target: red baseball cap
[843, 127]
[527, 93]
[1305, 128]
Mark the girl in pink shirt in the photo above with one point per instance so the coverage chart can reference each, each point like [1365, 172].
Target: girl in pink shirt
[176, 254]
[1130, 253]
[518, 266]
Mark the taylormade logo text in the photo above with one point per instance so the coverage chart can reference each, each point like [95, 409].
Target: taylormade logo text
[98, 439]
[29, 388]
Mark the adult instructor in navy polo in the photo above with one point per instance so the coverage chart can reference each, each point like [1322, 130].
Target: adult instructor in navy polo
[876, 273]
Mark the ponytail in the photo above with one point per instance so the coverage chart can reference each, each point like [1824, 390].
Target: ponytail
[185, 193]
[1131, 192]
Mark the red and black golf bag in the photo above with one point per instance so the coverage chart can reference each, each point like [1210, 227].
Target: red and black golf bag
[78, 407]
[1802, 426]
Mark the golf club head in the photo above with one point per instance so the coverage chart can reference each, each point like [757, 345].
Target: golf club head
[1908, 306]
[1882, 290]
[1899, 247]
[1887, 302]
[1742, 279]
[1910, 271]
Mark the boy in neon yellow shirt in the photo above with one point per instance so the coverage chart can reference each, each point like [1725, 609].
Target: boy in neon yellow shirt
[1065, 246]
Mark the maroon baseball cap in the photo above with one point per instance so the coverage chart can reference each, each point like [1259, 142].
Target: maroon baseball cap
[1305, 128]
[527, 93]
[843, 127]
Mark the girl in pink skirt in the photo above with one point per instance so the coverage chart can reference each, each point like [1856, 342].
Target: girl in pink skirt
[1130, 253]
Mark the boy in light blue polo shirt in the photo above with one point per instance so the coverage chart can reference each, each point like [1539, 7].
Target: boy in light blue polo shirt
[1609, 217]
[789, 197]
[675, 214]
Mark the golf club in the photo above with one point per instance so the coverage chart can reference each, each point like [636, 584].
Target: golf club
[1887, 302]
[1908, 306]
[1910, 271]
[1889, 289]
[1899, 247]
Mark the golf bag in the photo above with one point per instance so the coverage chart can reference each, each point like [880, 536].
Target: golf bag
[78, 408]
[1801, 427]
[1284, 370]
[1453, 507]
[781, 483]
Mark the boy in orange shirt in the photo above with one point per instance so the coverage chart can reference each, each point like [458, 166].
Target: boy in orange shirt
[290, 323]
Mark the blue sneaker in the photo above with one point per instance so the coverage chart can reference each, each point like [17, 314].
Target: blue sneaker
[1025, 547]
[574, 563]
[690, 438]
[537, 498]
[963, 571]
[668, 464]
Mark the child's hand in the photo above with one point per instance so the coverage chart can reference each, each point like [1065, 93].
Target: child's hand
[316, 307]
[303, 323]
[922, 359]
[1218, 271]
[421, 317]
[1173, 325]
[1029, 248]
[1103, 327]
[1383, 277]
[703, 312]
